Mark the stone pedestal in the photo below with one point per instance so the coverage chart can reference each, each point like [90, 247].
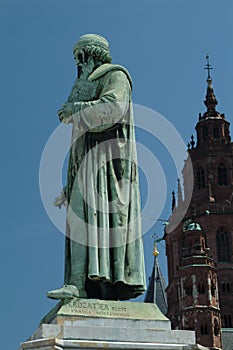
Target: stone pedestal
[96, 324]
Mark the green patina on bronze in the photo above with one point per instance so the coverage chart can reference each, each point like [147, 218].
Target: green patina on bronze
[104, 252]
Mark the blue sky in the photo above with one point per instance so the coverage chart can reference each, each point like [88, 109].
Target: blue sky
[163, 44]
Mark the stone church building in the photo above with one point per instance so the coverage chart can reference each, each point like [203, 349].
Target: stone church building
[199, 248]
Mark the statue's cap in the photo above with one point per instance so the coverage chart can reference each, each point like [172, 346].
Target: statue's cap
[91, 39]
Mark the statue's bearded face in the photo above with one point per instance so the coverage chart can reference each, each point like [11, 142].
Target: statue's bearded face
[79, 57]
[84, 62]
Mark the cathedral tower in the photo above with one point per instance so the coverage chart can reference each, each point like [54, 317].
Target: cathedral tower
[200, 248]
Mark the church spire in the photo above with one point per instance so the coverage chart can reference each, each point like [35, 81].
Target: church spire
[210, 101]
[212, 126]
[156, 289]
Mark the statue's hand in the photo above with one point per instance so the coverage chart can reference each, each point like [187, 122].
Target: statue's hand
[60, 200]
[65, 113]
[61, 114]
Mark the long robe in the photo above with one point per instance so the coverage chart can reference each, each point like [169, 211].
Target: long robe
[104, 239]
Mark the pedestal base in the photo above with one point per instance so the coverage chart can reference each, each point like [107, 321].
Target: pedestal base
[60, 344]
[93, 324]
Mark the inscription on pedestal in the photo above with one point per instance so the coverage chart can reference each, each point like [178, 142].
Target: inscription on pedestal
[109, 308]
[98, 309]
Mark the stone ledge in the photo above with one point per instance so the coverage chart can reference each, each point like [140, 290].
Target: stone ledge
[60, 344]
[114, 333]
[111, 322]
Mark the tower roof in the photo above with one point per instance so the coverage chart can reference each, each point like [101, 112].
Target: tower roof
[156, 289]
[210, 98]
[210, 101]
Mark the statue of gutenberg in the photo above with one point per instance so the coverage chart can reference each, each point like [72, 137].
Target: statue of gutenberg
[103, 250]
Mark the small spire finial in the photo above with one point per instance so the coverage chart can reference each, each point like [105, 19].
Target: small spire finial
[155, 252]
[210, 101]
[192, 142]
[208, 67]
[173, 200]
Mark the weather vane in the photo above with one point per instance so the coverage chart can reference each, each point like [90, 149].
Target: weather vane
[156, 240]
[208, 66]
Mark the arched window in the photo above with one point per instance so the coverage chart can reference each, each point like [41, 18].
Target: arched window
[223, 245]
[205, 133]
[204, 329]
[216, 328]
[222, 175]
[216, 132]
[213, 288]
[200, 178]
[226, 287]
[227, 321]
[188, 290]
[201, 288]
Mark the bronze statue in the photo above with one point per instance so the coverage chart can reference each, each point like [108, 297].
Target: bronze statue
[104, 251]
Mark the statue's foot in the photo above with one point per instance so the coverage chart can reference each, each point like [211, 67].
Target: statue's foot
[68, 291]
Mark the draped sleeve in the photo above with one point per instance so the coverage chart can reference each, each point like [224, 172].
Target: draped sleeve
[110, 107]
